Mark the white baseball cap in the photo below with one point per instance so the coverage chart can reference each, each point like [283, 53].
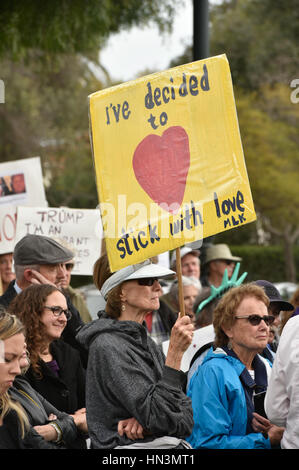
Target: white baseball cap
[135, 271]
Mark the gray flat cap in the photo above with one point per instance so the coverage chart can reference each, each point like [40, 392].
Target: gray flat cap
[37, 249]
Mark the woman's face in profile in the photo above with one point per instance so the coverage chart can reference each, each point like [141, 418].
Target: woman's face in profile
[13, 349]
[142, 297]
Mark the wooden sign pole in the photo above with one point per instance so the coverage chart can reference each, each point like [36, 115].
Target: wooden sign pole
[180, 284]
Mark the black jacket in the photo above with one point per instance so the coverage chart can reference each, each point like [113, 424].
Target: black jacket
[38, 410]
[167, 315]
[11, 438]
[72, 328]
[66, 392]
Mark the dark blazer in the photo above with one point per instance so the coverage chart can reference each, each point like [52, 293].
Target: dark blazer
[11, 438]
[38, 410]
[8, 295]
[66, 392]
[72, 328]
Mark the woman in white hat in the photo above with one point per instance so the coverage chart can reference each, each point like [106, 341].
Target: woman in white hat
[135, 397]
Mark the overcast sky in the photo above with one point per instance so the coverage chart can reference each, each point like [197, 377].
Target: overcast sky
[131, 52]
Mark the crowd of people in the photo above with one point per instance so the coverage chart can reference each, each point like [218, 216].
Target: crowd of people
[70, 382]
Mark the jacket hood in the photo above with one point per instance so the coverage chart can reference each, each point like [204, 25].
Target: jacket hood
[220, 353]
[106, 324]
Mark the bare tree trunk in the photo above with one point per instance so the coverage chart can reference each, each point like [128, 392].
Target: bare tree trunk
[288, 240]
[290, 267]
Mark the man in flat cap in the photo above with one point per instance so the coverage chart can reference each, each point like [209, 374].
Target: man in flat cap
[41, 260]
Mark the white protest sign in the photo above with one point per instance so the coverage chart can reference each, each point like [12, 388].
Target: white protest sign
[78, 229]
[8, 222]
[21, 183]
[201, 337]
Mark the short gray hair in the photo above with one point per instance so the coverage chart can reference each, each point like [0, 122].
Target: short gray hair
[186, 281]
[19, 269]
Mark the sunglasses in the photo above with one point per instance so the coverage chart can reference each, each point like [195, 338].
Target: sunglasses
[147, 281]
[69, 266]
[256, 319]
[57, 311]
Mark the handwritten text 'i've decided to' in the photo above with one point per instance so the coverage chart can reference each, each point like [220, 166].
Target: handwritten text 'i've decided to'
[189, 85]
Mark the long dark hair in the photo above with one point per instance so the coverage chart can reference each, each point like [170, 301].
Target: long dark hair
[29, 306]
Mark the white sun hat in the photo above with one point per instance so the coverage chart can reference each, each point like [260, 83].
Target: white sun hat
[135, 271]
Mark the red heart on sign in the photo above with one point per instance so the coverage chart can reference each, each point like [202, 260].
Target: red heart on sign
[161, 166]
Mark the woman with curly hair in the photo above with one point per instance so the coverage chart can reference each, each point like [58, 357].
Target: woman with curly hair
[56, 371]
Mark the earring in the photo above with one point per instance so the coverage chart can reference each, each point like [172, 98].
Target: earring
[123, 307]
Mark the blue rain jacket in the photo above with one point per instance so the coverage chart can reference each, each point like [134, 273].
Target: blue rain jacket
[221, 392]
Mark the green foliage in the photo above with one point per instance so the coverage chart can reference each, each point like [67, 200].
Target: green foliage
[264, 262]
[268, 124]
[46, 115]
[72, 26]
[244, 234]
[260, 39]
[47, 84]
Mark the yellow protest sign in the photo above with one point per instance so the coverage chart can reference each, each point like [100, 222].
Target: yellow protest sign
[168, 159]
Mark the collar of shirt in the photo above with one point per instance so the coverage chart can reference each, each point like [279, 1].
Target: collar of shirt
[17, 288]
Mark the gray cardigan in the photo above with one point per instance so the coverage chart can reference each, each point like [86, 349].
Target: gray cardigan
[127, 377]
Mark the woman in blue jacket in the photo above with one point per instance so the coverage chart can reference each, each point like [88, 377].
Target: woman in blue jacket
[224, 387]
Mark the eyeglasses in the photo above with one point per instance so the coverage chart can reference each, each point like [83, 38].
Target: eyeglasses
[147, 281]
[57, 311]
[69, 266]
[256, 319]
[227, 262]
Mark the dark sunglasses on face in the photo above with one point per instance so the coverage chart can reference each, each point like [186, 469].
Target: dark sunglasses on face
[69, 266]
[227, 262]
[57, 311]
[147, 281]
[256, 319]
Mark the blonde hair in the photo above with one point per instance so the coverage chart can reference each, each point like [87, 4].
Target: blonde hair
[224, 313]
[10, 326]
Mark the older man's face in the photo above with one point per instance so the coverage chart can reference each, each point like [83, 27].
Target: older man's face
[55, 273]
[275, 309]
[190, 266]
[220, 265]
